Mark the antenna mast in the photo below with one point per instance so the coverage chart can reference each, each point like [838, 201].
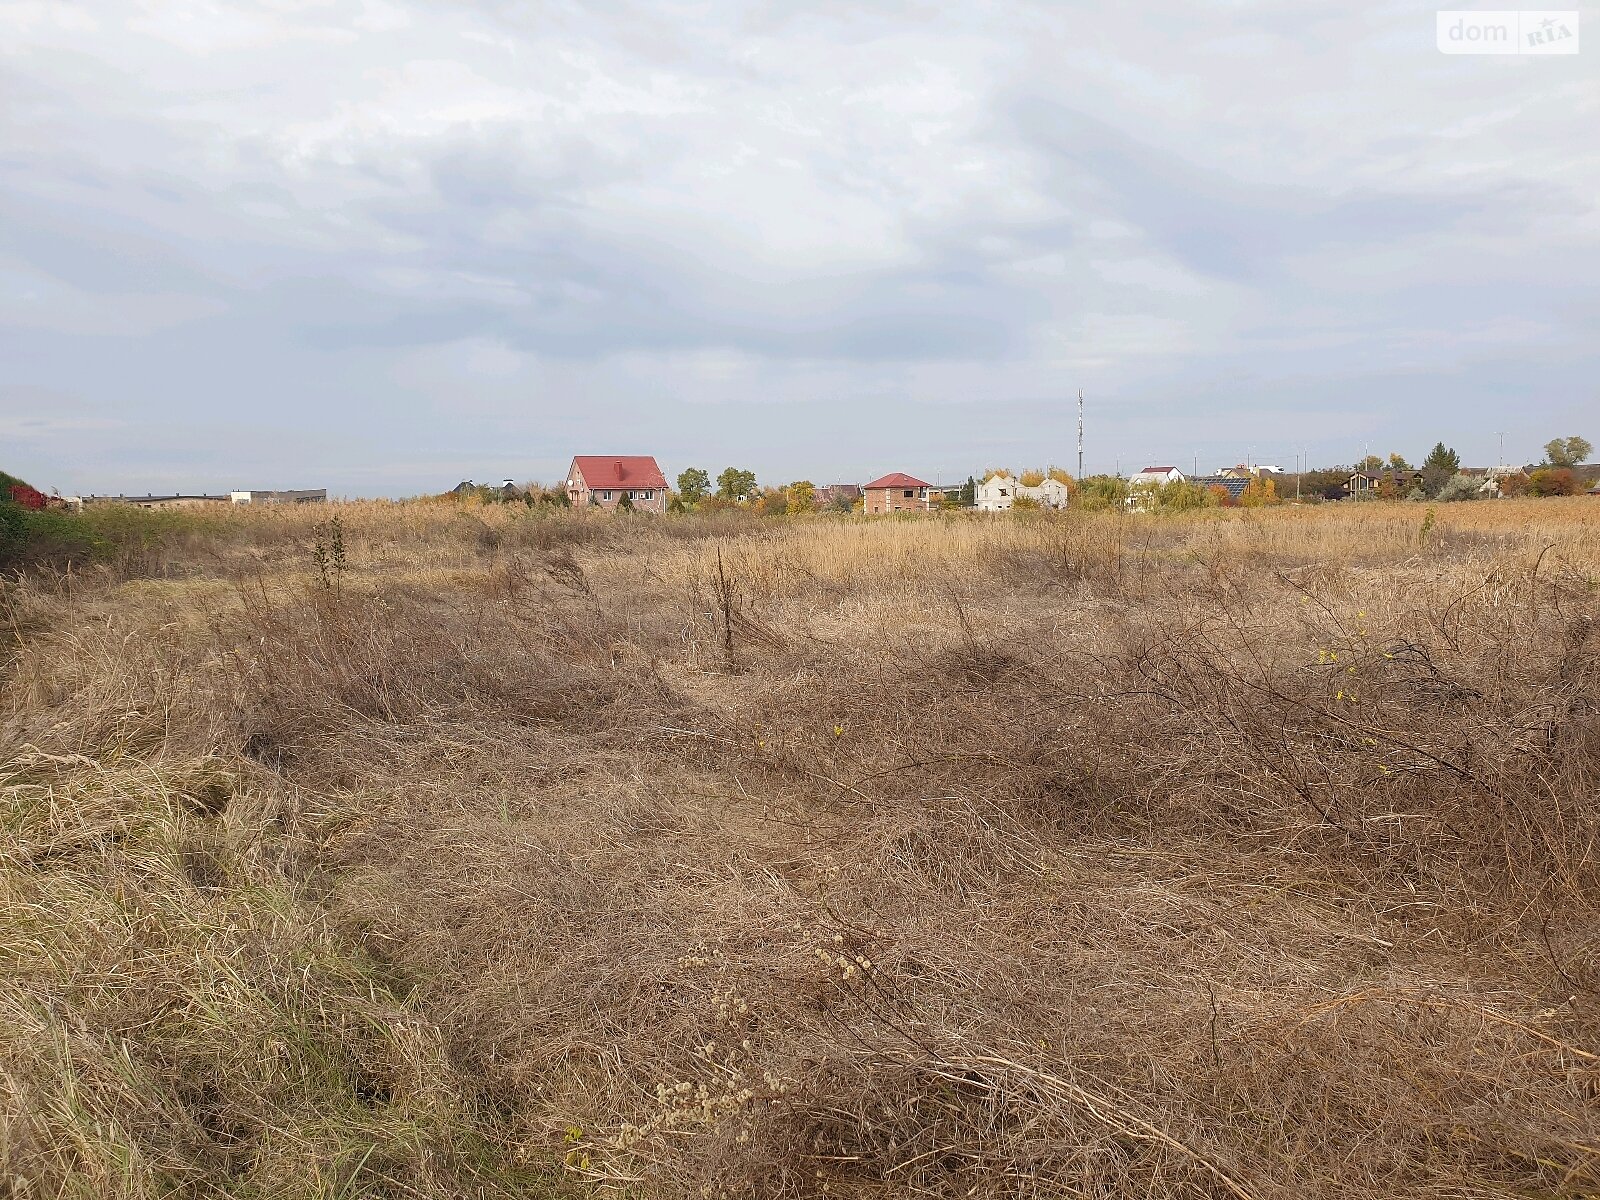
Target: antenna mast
[1080, 434]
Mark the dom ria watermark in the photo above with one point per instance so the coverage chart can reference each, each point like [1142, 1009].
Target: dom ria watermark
[1466, 32]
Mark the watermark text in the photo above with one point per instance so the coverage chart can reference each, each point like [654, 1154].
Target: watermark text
[1463, 31]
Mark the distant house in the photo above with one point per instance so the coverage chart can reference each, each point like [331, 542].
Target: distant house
[996, 493]
[602, 480]
[897, 492]
[1052, 493]
[1249, 471]
[837, 495]
[1155, 476]
[181, 500]
[1364, 483]
[304, 496]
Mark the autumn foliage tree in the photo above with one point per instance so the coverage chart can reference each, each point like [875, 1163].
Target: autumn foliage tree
[1552, 481]
[1259, 492]
[1514, 485]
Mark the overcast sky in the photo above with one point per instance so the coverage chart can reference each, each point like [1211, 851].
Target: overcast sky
[384, 245]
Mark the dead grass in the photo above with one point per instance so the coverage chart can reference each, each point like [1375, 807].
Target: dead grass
[1248, 854]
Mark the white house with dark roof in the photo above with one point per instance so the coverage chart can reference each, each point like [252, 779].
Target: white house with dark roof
[1155, 476]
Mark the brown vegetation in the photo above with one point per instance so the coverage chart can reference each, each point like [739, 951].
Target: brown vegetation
[1246, 853]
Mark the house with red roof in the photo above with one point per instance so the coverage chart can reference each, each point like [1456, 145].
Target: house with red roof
[602, 480]
[897, 492]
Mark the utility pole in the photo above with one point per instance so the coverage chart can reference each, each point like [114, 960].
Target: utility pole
[1080, 435]
[1502, 435]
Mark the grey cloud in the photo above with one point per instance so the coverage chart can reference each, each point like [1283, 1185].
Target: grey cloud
[380, 244]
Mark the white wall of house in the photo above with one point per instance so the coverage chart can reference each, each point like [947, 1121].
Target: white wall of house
[996, 494]
[1052, 493]
[1170, 475]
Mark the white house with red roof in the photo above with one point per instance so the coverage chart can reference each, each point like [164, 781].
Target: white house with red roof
[602, 480]
[897, 492]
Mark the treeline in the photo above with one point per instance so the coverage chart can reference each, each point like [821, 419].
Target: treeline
[1439, 476]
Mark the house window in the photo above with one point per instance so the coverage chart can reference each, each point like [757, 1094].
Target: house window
[908, 493]
[1003, 492]
[647, 495]
[605, 495]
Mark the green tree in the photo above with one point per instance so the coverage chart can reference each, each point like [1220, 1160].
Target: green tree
[626, 503]
[735, 484]
[694, 485]
[1567, 452]
[969, 492]
[1397, 462]
[1442, 458]
[1439, 468]
[1097, 492]
[1182, 496]
[802, 496]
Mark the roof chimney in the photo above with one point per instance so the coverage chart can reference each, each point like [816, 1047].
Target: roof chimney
[619, 468]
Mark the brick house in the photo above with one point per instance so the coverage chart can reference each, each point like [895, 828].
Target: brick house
[837, 495]
[603, 480]
[898, 492]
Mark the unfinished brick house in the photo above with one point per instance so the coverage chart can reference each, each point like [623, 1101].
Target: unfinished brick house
[898, 492]
[602, 480]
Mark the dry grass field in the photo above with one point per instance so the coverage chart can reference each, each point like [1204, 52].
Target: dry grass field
[1249, 854]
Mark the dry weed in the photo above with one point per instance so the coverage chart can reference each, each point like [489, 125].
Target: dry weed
[1246, 855]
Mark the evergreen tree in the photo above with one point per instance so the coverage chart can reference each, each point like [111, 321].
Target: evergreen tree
[1442, 458]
